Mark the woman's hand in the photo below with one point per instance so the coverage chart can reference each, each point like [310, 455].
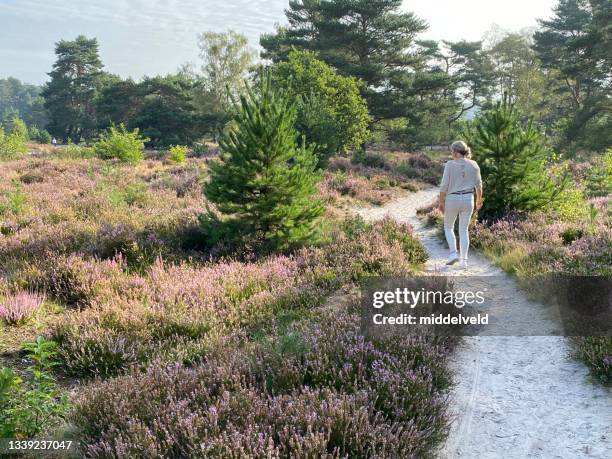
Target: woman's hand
[441, 199]
[478, 198]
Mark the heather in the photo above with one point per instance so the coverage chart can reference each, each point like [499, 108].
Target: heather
[96, 209]
[180, 265]
[247, 353]
[131, 320]
[547, 243]
[376, 177]
[315, 389]
[249, 358]
[17, 307]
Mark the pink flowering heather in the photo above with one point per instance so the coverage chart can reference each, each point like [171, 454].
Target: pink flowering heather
[14, 308]
[156, 312]
[322, 390]
[602, 203]
[212, 288]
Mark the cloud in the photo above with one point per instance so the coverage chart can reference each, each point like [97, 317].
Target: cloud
[136, 37]
[181, 16]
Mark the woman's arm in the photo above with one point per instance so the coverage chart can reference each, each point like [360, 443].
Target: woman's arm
[443, 188]
[478, 188]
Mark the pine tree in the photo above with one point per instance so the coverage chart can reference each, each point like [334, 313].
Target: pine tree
[599, 177]
[576, 44]
[75, 82]
[265, 181]
[512, 159]
[368, 39]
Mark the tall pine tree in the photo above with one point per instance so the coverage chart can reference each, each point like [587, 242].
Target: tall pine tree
[265, 181]
[75, 82]
[370, 39]
[576, 42]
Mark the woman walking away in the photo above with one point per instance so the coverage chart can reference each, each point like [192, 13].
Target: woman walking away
[461, 180]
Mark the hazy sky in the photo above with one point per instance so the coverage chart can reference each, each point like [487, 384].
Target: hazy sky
[148, 37]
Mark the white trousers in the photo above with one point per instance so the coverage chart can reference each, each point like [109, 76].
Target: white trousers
[462, 206]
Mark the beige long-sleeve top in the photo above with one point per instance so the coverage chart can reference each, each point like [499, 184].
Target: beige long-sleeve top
[460, 175]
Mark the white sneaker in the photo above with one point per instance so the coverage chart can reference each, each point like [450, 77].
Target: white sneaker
[452, 260]
[463, 264]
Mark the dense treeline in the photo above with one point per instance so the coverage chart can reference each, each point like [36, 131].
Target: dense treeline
[560, 75]
[21, 100]
[417, 91]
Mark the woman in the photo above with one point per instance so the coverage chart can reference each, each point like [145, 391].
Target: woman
[461, 180]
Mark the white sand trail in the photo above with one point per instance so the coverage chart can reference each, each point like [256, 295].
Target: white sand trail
[515, 396]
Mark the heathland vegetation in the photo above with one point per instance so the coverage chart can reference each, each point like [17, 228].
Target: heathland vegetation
[169, 271]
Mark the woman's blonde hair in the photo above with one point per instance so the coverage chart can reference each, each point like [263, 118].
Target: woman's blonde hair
[461, 147]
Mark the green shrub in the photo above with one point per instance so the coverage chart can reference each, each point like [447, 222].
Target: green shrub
[512, 159]
[19, 129]
[15, 200]
[119, 143]
[44, 137]
[75, 151]
[39, 135]
[331, 113]
[599, 177]
[31, 405]
[177, 154]
[572, 206]
[318, 124]
[14, 144]
[133, 194]
[571, 234]
[199, 149]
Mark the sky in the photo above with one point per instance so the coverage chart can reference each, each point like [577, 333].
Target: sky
[151, 37]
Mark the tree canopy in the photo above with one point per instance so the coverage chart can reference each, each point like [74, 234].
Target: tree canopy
[75, 81]
[331, 112]
[576, 43]
[416, 91]
[21, 100]
[369, 39]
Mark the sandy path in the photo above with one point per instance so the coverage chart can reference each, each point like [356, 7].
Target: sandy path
[515, 396]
